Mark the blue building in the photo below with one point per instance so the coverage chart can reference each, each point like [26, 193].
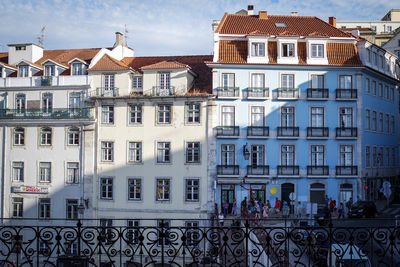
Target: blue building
[302, 107]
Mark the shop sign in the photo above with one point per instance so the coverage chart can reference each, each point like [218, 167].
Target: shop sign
[30, 189]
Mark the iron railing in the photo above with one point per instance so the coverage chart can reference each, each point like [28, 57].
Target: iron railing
[346, 170]
[257, 92]
[317, 93]
[288, 170]
[347, 132]
[288, 131]
[104, 92]
[317, 170]
[46, 80]
[318, 132]
[228, 131]
[227, 169]
[163, 90]
[53, 113]
[241, 242]
[288, 93]
[349, 94]
[258, 131]
[227, 92]
[258, 170]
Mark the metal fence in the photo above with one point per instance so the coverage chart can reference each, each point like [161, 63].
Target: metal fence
[180, 242]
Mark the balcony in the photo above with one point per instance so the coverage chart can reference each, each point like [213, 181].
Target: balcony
[346, 170]
[346, 94]
[67, 80]
[163, 91]
[257, 131]
[228, 170]
[257, 170]
[288, 170]
[257, 93]
[346, 132]
[104, 92]
[317, 94]
[47, 80]
[228, 92]
[318, 170]
[288, 93]
[317, 132]
[228, 131]
[288, 132]
[54, 113]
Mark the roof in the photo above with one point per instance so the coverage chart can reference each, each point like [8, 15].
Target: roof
[203, 82]
[295, 26]
[166, 65]
[359, 29]
[109, 63]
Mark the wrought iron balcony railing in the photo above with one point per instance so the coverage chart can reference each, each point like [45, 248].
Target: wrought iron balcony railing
[54, 113]
[228, 131]
[318, 132]
[257, 92]
[163, 91]
[288, 131]
[288, 93]
[317, 170]
[317, 93]
[104, 92]
[346, 132]
[46, 80]
[230, 92]
[258, 131]
[227, 169]
[346, 94]
[288, 170]
[346, 170]
[257, 170]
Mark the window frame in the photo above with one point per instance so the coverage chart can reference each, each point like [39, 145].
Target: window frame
[107, 151]
[319, 50]
[21, 140]
[192, 189]
[74, 209]
[45, 172]
[107, 114]
[73, 134]
[135, 114]
[44, 209]
[136, 81]
[367, 157]
[286, 162]
[367, 119]
[18, 171]
[46, 136]
[256, 47]
[288, 49]
[190, 150]
[135, 149]
[106, 184]
[17, 210]
[76, 174]
[137, 184]
[165, 189]
[193, 113]
[164, 115]
[163, 155]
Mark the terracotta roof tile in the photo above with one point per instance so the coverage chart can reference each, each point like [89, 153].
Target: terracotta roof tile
[109, 63]
[295, 26]
[165, 65]
[232, 51]
[343, 54]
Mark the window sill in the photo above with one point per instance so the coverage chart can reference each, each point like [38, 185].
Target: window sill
[193, 163]
[134, 163]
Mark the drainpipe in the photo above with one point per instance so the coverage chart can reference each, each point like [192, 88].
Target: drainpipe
[81, 165]
[3, 155]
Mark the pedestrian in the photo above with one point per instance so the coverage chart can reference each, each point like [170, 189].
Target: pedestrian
[221, 219]
[277, 206]
[258, 210]
[225, 206]
[326, 200]
[358, 200]
[268, 205]
[234, 207]
[298, 209]
[265, 211]
[349, 203]
[331, 205]
[243, 207]
[341, 211]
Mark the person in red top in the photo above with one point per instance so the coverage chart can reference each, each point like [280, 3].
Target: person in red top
[277, 206]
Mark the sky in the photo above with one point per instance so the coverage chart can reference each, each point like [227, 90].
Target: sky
[155, 27]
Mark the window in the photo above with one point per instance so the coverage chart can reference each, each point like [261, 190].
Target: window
[133, 232]
[367, 157]
[72, 173]
[72, 209]
[345, 82]
[375, 58]
[287, 50]
[346, 117]
[392, 94]
[72, 248]
[17, 171]
[367, 86]
[193, 152]
[374, 157]
[163, 152]
[257, 49]
[380, 91]
[374, 124]
[164, 114]
[317, 50]
[287, 155]
[381, 122]
[369, 55]
[44, 208]
[386, 92]
[135, 152]
[77, 69]
[107, 151]
[317, 117]
[387, 125]
[367, 119]
[257, 155]
[164, 80]
[317, 155]
[287, 80]
[19, 136]
[257, 116]
[20, 100]
[134, 189]
[73, 136]
[394, 157]
[49, 70]
[44, 248]
[381, 156]
[228, 115]
[106, 188]
[137, 82]
[388, 28]
[346, 155]
[18, 207]
[287, 117]
[257, 80]
[374, 88]
[164, 225]
[392, 124]
[106, 230]
[74, 100]
[20, 48]
[135, 114]
[317, 81]
[387, 154]
[47, 102]
[107, 114]
[192, 113]
[192, 233]
[227, 154]
[45, 172]
[228, 80]
[163, 189]
[23, 71]
[192, 190]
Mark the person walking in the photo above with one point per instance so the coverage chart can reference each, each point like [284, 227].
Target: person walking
[234, 207]
[221, 219]
[258, 210]
[265, 211]
[341, 211]
[243, 207]
[277, 206]
[349, 203]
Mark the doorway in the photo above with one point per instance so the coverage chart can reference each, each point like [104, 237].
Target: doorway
[317, 193]
[227, 195]
[286, 189]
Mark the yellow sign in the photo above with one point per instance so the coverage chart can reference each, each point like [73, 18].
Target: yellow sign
[273, 190]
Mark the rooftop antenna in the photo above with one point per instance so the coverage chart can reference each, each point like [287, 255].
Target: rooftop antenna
[126, 35]
[41, 36]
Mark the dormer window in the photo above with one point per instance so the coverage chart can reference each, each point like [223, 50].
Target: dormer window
[137, 82]
[49, 70]
[23, 71]
[77, 69]
[258, 49]
[317, 50]
[20, 48]
[287, 50]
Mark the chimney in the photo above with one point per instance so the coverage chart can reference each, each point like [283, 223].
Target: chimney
[294, 14]
[332, 21]
[250, 10]
[118, 39]
[262, 15]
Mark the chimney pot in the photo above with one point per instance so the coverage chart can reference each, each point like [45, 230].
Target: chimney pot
[250, 10]
[332, 21]
[118, 39]
[262, 15]
[295, 13]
